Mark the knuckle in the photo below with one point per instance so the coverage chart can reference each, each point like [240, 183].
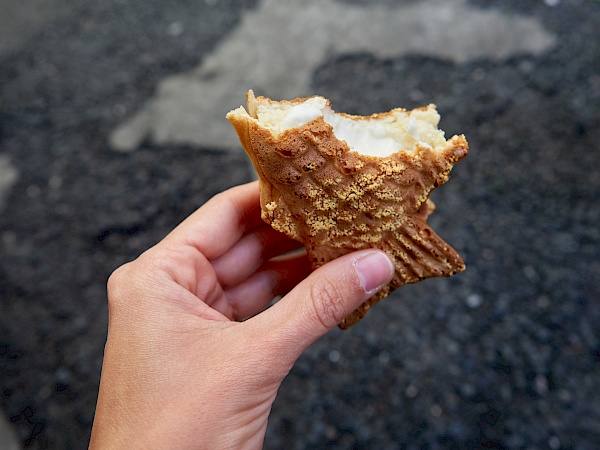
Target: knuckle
[116, 278]
[117, 286]
[327, 302]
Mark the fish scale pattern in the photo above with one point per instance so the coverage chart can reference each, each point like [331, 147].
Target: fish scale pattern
[335, 201]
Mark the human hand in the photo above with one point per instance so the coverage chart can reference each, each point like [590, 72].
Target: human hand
[180, 370]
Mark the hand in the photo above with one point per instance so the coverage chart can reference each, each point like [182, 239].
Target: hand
[180, 370]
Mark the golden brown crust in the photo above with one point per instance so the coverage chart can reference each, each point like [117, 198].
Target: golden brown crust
[334, 200]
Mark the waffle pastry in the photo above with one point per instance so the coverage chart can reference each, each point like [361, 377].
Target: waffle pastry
[340, 183]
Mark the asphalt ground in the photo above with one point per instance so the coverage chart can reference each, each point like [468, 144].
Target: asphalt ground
[505, 355]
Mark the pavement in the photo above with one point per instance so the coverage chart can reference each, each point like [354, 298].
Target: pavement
[112, 131]
[8, 437]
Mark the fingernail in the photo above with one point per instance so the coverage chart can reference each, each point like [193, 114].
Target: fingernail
[374, 270]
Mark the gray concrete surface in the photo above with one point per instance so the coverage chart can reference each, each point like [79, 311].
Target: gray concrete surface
[8, 437]
[22, 20]
[257, 55]
[505, 355]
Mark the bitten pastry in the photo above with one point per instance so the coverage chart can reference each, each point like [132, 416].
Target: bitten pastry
[340, 183]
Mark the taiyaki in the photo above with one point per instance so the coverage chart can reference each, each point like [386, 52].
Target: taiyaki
[339, 183]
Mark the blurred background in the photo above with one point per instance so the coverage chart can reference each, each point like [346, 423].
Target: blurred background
[112, 130]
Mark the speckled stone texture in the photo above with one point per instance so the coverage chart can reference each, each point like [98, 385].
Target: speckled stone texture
[503, 355]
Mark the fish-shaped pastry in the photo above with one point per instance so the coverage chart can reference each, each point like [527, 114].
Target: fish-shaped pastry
[340, 183]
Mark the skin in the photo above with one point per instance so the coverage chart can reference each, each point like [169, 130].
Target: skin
[180, 369]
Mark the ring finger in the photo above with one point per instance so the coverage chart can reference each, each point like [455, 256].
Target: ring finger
[249, 253]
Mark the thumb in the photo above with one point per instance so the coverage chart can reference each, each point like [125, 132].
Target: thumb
[325, 298]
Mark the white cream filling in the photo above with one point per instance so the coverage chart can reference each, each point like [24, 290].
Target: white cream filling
[381, 137]
[365, 137]
[303, 113]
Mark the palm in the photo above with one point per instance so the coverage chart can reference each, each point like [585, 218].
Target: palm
[235, 267]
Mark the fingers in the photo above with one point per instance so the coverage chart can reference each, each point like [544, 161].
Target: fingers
[251, 252]
[220, 223]
[276, 277]
[321, 301]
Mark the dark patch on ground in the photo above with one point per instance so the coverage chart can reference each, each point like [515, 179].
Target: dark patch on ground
[503, 356]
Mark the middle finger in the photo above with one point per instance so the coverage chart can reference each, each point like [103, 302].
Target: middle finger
[250, 253]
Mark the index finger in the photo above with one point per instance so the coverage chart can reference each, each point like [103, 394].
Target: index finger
[217, 225]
